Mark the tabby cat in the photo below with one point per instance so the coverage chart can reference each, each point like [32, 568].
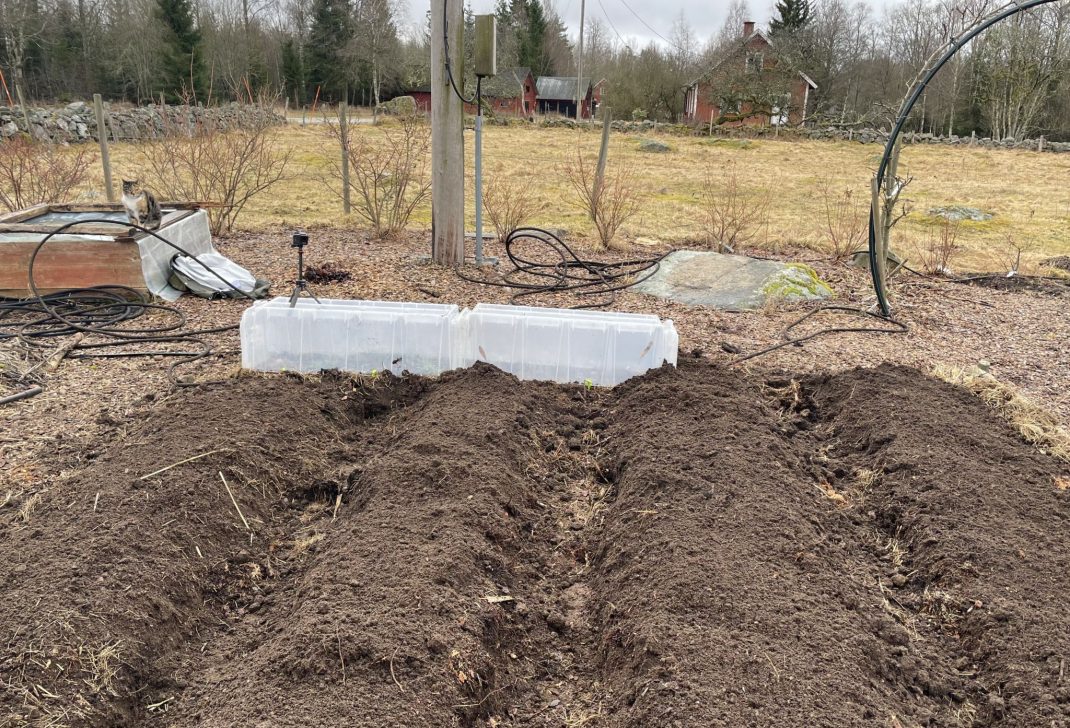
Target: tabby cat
[141, 205]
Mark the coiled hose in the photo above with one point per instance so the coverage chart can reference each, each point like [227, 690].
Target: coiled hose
[106, 311]
[565, 271]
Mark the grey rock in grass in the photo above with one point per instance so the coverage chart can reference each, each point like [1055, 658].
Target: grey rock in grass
[958, 213]
[732, 282]
[653, 145]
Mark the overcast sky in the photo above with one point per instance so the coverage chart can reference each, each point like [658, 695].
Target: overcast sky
[705, 17]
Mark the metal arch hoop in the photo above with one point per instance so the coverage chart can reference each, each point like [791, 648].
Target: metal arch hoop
[953, 47]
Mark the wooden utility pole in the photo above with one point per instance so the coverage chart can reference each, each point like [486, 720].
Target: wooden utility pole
[579, 65]
[447, 129]
[603, 153]
[102, 136]
[343, 131]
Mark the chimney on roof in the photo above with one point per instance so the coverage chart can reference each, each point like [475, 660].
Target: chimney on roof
[748, 28]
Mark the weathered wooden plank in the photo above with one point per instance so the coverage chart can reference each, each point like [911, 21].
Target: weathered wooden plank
[63, 265]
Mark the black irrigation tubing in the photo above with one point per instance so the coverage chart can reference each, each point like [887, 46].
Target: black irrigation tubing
[103, 311]
[897, 328]
[566, 272]
[926, 77]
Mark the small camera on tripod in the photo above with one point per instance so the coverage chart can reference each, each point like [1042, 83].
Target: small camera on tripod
[299, 241]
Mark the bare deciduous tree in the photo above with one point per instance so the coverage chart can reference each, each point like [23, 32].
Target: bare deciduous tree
[610, 204]
[35, 172]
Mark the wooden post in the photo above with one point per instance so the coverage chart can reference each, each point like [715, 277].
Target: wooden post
[286, 110]
[343, 128]
[579, 65]
[102, 136]
[603, 152]
[25, 111]
[447, 140]
[711, 120]
[1040, 143]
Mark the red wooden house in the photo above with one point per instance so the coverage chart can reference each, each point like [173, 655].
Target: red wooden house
[748, 87]
[511, 93]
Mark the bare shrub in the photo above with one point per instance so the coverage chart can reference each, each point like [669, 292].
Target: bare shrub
[389, 173]
[199, 161]
[734, 213]
[938, 248]
[1008, 254]
[610, 204]
[509, 201]
[846, 221]
[33, 172]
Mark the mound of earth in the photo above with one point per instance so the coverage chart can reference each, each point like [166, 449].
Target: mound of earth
[697, 547]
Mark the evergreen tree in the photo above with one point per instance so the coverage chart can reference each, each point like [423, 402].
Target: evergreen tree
[293, 72]
[531, 36]
[329, 37]
[182, 71]
[791, 15]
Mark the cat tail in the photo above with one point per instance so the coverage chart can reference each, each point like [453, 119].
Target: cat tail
[154, 215]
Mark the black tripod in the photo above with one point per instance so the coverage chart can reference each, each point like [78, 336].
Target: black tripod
[300, 240]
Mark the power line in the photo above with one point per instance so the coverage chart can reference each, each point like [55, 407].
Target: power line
[650, 27]
[615, 31]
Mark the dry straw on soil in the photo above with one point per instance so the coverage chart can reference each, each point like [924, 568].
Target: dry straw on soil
[1036, 425]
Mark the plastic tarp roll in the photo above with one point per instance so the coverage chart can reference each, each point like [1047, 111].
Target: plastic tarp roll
[193, 235]
[225, 268]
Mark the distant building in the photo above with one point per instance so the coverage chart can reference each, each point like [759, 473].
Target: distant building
[747, 87]
[511, 93]
[557, 95]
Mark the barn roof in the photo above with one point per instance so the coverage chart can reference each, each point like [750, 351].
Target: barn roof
[509, 83]
[561, 88]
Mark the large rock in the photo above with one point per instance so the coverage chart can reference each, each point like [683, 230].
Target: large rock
[958, 213]
[653, 145]
[731, 282]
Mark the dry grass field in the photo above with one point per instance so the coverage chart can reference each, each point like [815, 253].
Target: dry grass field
[1025, 191]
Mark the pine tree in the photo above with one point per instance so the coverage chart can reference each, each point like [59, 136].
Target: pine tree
[182, 71]
[328, 39]
[791, 15]
[293, 72]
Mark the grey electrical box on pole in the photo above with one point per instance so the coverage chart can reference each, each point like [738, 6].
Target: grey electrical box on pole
[486, 50]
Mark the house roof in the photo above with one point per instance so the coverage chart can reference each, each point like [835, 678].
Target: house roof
[757, 33]
[561, 88]
[509, 83]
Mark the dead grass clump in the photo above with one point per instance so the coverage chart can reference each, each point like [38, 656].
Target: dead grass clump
[609, 204]
[33, 172]
[28, 507]
[733, 214]
[222, 168]
[1035, 424]
[101, 666]
[389, 176]
[846, 221]
[510, 201]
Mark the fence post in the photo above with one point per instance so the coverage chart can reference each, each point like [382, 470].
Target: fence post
[343, 129]
[603, 152]
[711, 121]
[25, 111]
[102, 135]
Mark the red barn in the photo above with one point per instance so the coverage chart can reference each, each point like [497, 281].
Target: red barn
[747, 87]
[511, 93]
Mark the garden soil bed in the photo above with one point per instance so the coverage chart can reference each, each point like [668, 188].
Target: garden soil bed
[697, 547]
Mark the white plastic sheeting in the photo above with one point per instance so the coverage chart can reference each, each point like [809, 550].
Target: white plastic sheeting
[225, 268]
[191, 233]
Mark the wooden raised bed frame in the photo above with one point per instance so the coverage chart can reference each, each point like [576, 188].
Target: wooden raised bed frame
[76, 263]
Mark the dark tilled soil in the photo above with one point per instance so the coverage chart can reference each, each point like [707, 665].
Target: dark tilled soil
[698, 547]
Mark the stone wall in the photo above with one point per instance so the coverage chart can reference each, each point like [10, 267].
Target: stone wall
[76, 122]
[861, 136]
